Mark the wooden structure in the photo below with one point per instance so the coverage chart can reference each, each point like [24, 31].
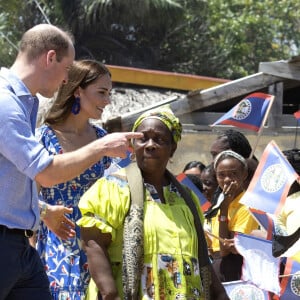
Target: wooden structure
[171, 80]
[201, 107]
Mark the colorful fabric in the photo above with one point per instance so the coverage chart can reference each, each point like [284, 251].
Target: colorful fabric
[271, 182]
[170, 241]
[65, 261]
[249, 113]
[165, 115]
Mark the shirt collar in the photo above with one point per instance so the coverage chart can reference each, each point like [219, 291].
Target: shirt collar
[15, 82]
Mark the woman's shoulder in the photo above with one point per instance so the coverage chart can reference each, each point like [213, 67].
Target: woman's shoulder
[99, 130]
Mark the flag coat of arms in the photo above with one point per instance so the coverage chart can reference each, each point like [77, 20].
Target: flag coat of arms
[259, 265]
[249, 113]
[182, 178]
[271, 182]
[290, 283]
[244, 290]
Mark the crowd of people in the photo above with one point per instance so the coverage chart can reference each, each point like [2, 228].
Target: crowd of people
[71, 227]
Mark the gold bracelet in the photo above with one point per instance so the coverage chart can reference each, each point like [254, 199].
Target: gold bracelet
[43, 211]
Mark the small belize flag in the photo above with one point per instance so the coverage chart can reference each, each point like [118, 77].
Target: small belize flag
[183, 179]
[259, 266]
[271, 182]
[290, 283]
[249, 113]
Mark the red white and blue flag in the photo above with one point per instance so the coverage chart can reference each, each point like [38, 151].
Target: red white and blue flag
[259, 266]
[290, 283]
[249, 113]
[244, 290]
[265, 220]
[271, 182]
[182, 178]
[297, 115]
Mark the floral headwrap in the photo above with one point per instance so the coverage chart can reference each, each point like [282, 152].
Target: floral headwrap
[165, 115]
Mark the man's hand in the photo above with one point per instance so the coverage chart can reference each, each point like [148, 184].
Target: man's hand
[57, 222]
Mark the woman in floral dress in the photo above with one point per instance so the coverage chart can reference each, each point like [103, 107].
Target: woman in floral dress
[66, 128]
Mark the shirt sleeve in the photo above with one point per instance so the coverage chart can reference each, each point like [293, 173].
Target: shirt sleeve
[242, 221]
[18, 143]
[105, 205]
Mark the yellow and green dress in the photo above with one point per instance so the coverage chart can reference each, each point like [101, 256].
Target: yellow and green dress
[171, 269]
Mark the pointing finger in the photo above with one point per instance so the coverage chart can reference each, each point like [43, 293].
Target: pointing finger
[133, 135]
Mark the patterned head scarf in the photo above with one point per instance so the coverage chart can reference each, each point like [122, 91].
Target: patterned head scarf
[165, 115]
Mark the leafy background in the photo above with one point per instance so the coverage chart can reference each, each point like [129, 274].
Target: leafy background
[219, 38]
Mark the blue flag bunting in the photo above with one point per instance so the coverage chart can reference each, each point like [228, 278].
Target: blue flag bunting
[249, 113]
[271, 182]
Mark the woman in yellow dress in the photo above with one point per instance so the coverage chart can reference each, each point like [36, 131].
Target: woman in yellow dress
[173, 254]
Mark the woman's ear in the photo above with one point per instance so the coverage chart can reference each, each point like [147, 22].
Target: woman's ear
[77, 92]
[174, 147]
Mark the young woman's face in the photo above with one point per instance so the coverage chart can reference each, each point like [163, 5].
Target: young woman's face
[231, 171]
[95, 97]
[209, 182]
[154, 150]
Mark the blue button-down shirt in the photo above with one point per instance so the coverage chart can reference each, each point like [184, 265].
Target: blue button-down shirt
[22, 157]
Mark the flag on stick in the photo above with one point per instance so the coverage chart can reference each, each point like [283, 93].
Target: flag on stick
[290, 284]
[182, 178]
[249, 113]
[271, 182]
[265, 220]
[258, 261]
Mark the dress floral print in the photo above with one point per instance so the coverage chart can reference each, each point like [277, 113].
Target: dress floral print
[65, 261]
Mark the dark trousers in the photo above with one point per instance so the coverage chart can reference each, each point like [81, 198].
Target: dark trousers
[22, 275]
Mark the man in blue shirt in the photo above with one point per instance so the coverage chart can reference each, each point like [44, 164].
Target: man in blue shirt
[45, 55]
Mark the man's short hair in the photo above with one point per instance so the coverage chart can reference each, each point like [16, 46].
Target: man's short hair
[44, 37]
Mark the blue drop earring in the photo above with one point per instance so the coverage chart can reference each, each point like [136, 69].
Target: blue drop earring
[76, 106]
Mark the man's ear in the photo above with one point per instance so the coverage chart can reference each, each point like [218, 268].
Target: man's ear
[51, 57]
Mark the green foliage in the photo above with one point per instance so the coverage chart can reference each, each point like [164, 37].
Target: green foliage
[220, 38]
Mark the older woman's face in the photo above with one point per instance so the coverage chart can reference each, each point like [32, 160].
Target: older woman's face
[155, 148]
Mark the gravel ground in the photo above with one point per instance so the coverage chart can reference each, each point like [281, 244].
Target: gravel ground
[123, 100]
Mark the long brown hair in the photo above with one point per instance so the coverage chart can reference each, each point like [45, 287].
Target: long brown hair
[82, 73]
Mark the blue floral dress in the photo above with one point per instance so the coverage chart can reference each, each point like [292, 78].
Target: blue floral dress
[65, 262]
